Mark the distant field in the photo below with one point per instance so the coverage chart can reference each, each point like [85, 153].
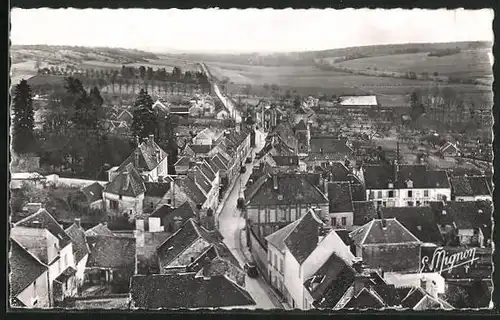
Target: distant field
[466, 64]
[168, 63]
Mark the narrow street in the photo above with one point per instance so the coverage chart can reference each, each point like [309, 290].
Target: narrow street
[231, 225]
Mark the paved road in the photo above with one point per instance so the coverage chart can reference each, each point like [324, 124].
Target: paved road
[231, 223]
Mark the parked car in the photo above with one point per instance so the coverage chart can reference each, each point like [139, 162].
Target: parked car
[251, 269]
[241, 203]
[243, 169]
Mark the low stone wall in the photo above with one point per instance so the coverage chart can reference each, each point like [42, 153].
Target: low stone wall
[57, 181]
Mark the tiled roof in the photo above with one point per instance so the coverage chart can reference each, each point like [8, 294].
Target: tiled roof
[156, 189]
[300, 126]
[341, 281]
[358, 192]
[93, 192]
[24, 268]
[344, 236]
[80, 246]
[99, 230]
[378, 177]
[44, 220]
[189, 187]
[325, 144]
[201, 148]
[364, 212]
[286, 160]
[413, 297]
[202, 180]
[365, 299]
[207, 171]
[150, 156]
[467, 186]
[419, 221]
[186, 291]
[304, 237]
[185, 211]
[336, 171]
[278, 238]
[183, 161]
[340, 197]
[291, 188]
[112, 252]
[374, 233]
[127, 183]
[330, 274]
[66, 274]
[221, 162]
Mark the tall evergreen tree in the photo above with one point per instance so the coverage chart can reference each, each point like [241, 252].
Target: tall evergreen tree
[144, 122]
[23, 123]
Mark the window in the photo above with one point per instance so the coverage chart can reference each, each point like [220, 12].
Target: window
[113, 204]
[418, 203]
[120, 197]
[293, 213]
[34, 288]
[66, 263]
[334, 222]
[344, 221]
[390, 194]
[426, 193]
[379, 194]
[275, 260]
[269, 255]
[262, 214]
[410, 193]
[410, 203]
[379, 203]
[272, 214]
[169, 201]
[384, 203]
[281, 265]
[282, 213]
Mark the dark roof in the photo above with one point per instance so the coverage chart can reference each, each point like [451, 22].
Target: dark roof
[207, 170]
[150, 156]
[419, 221]
[364, 212]
[190, 188]
[24, 268]
[470, 186]
[156, 189]
[329, 275]
[286, 160]
[99, 230]
[127, 183]
[202, 180]
[340, 197]
[465, 214]
[201, 148]
[413, 297]
[344, 236]
[358, 192]
[180, 110]
[374, 233]
[304, 237]
[221, 162]
[278, 238]
[185, 211]
[300, 126]
[336, 171]
[291, 188]
[44, 220]
[365, 299]
[178, 242]
[186, 291]
[80, 246]
[341, 282]
[325, 144]
[378, 177]
[66, 274]
[183, 161]
[93, 192]
[112, 252]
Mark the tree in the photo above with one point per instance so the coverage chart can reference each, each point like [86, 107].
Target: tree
[144, 122]
[149, 73]
[23, 124]
[177, 73]
[167, 139]
[142, 72]
[417, 108]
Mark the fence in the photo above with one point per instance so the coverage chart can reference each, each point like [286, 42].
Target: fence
[57, 181]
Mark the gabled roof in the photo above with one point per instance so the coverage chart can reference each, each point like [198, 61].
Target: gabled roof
[184, 211]
[66, 274]
[340, 197]
[201, 148]
[291, 188]
[125, 115]
[449, 147]
[156, 189]
[303, 239]
[365, 299]
[127, 182]
[344, 236]
[24, 268]
[419, 221]
[150, 156]
[336, 171]
[112, 252]
[189, 187]
[44, 220]
[374, 233]
[364, 212]
[468, 186]
[207, 170]
[183, 161]
[288, 161]
[300, 126]
[99, 230]
[80, 245]
[379, 176]
[186, 291]
[277, 239]
[93, 192]
[326, 144]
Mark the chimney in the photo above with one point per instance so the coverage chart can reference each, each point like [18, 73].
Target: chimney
[357, 264]
[77, 222]
[275, 182]
[206, 268]
[177, 223]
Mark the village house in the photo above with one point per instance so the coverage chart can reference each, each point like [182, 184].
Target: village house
[324, 150]
[188, 291]
[188, 247]
[208, 136]
[43, 237]
[93, 195]
[340, 213]
[111, 262]
[404, 185]
[171, 108]
[99, 230]
[29, 280]
[81, 250]
[270, 116]
[148, 159]
[124, 195]
[471, 188]
[464, 222]
[449, 149]
[388, 245]
[273, 201]
[296, 252]
[363, 212]
[171, 218]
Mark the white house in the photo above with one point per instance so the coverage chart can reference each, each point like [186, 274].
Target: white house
[405, 185]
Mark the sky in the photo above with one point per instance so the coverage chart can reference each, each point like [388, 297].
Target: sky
[249, 30]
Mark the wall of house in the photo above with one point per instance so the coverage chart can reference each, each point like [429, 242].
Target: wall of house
[39, 289]
[80, 270]
[413, 279]
[124, 204]
[175, 197]
[400, 197]
[275, 267]
[392, 258]
[194, 251]
[294, 283]
[259, 253]
[99, 204]
[349, 218]
[58, 181]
